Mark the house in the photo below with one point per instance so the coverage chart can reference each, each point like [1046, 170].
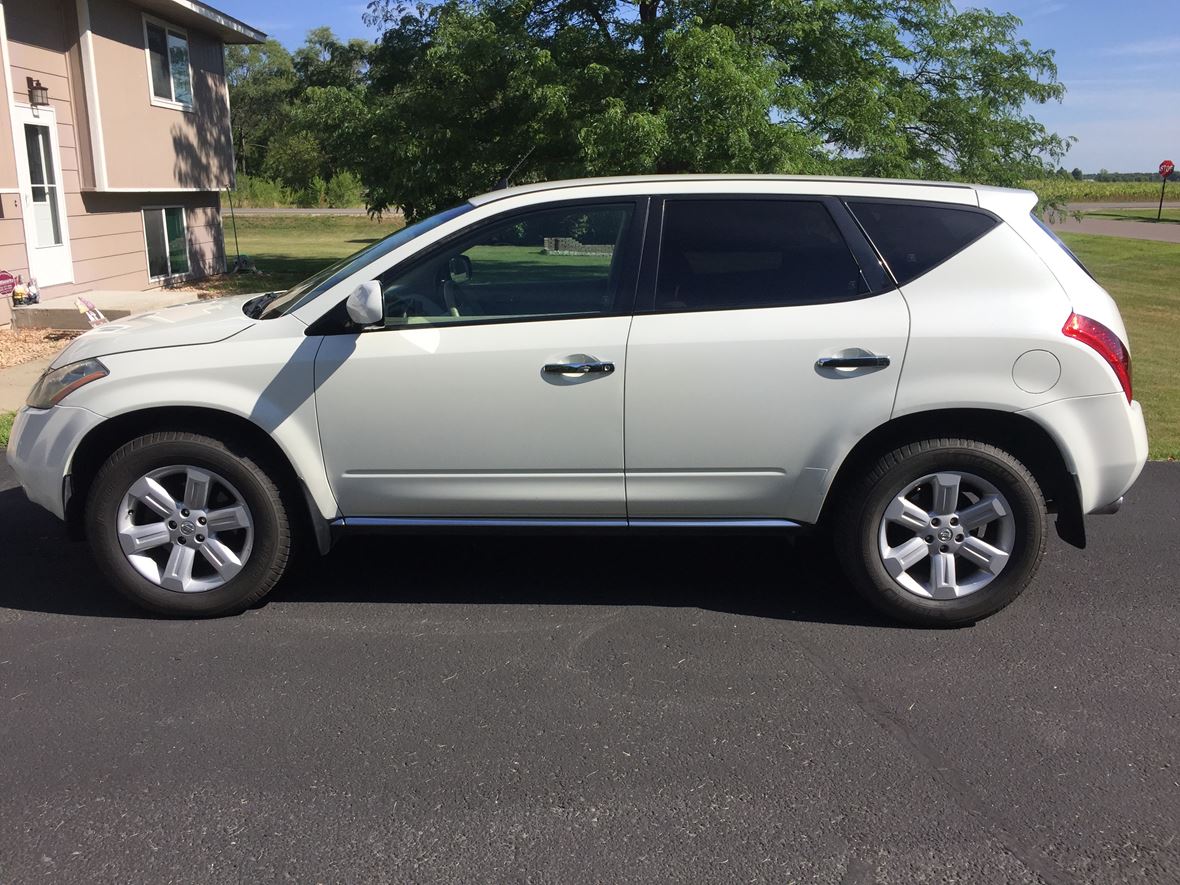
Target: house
[114, 142]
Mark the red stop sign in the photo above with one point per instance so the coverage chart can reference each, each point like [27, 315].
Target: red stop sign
[1167, 167]
[7, 283]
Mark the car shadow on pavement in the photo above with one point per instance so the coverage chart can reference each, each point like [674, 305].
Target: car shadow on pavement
[768, 575]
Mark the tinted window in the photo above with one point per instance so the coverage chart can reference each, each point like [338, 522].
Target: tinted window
[558, 262]
[719, 254]
[915, 238]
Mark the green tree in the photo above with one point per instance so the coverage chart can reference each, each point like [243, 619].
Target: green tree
[461, 90]
[261, 81]
[1077, 174]
[324, 61]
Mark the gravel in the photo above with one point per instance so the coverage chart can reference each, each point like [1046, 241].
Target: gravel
[23, 345]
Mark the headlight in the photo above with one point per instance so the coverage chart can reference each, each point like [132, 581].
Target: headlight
[56, 384]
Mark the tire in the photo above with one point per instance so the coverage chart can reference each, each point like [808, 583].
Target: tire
[228, 553]
[905, 495]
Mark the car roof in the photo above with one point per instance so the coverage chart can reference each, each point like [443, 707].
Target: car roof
[949, 190]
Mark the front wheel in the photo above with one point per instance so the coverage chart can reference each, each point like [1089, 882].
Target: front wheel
[943, 532]
[186, 525]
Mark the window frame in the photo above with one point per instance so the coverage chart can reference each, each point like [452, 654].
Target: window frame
[163, 209]
[928, 204]
[171, 103]
[335, 321]
[862, 252]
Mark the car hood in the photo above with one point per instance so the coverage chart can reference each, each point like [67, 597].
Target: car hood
[198, 322]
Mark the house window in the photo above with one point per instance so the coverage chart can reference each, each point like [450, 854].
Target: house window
[168, 68]
[167, 242]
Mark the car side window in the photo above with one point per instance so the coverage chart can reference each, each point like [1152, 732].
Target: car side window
[914, 238]
[748, 253]
[562, 262]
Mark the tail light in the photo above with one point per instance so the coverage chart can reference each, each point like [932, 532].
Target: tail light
[1106, 342]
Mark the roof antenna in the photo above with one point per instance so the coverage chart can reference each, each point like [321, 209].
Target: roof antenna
[505, 182]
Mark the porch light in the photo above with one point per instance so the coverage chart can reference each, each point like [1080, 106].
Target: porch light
[38, 94]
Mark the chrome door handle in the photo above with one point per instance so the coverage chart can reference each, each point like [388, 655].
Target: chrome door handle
[852, 362]
[578, 368]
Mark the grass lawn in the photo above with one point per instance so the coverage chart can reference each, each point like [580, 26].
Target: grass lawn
[1144, 278]
[5, 427]
[290, 248]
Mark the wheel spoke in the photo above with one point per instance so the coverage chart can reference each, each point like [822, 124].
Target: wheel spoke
[153, 496]
[902, 558]
[196, 488]
[138, 538]
[905, 512]
[979, 552]
[946, 493]
[221, 558]
[980, 514]
[944, 582]
[228, 519]
[178, 572]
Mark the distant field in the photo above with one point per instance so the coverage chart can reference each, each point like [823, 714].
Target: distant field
[1063, 191]
[1144, 278]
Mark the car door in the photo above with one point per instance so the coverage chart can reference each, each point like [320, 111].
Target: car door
[766, 342]
[494, 387]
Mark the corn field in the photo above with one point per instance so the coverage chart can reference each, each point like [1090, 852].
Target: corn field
[1058, 191]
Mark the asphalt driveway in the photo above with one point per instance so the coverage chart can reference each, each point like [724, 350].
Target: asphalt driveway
[593, 710]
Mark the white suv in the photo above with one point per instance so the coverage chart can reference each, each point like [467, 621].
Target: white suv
[922, 369]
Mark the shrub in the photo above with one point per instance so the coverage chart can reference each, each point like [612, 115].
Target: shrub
[345, 191]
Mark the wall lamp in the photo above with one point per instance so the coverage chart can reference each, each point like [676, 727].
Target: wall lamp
[38, 94]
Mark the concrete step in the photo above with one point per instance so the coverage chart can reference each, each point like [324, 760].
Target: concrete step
[63, 313]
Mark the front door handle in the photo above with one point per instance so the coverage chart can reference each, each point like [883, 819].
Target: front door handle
[869, 361]
[586, 368]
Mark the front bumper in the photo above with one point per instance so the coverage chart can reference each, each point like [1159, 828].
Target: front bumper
[1104, 441]
[41, 448]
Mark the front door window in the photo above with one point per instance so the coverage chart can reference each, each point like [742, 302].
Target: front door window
[44, 186]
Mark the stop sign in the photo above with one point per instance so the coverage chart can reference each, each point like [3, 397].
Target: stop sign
[1167, 167]
[7, 283]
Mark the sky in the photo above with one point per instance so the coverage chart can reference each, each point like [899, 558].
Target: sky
[1119, 60]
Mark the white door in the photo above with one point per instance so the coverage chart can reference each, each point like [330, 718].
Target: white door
[730, 413]
[494, 388]
[47, 239]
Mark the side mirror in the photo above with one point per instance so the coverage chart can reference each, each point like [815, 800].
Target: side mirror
[459, 269]
[365, 305]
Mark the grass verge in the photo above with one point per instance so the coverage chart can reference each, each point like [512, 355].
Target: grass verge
[5, 427]
[1144, 278]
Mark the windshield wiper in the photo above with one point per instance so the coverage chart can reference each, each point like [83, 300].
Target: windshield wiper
[255, 306]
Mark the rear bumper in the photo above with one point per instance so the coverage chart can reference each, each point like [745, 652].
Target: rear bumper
[41, 447]
[1104, 442]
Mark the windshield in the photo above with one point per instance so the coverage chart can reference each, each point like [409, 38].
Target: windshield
[285, 302]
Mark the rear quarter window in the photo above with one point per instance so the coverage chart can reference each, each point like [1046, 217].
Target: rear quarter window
[914, 238]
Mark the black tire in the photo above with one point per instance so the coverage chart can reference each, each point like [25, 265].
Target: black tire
[859, 517]
[237, 464]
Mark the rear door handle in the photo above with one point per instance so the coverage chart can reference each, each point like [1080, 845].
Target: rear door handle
[588, 368]
[853, 362]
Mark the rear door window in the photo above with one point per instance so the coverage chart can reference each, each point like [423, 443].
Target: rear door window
[914, 238]
[750, 253]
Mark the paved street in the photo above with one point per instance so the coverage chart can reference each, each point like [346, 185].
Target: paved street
[593, 710]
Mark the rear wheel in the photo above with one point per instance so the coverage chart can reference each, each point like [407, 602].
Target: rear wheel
[943, 532]
[186, 525]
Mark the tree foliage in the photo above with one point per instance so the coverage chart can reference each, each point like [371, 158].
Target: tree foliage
[461, 90]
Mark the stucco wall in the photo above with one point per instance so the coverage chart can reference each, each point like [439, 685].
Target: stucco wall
[151, 146]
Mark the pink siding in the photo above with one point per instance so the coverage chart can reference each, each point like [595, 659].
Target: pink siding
[151, 146]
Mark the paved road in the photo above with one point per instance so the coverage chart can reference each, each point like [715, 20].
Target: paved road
[1166, 232]
[593, 710]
